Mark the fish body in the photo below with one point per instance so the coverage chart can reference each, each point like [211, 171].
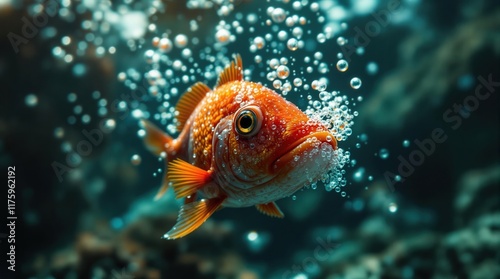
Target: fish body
[240, 144]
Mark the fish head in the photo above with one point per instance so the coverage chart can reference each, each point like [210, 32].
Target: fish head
[270, 143]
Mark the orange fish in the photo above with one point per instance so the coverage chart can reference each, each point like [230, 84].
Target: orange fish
[240, 144]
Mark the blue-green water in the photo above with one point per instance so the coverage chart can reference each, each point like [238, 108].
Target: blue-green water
[410, 88]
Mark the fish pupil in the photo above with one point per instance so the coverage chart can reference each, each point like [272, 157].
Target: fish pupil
[246, 121]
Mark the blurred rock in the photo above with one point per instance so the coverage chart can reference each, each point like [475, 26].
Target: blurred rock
[478, 194]
[424, 79]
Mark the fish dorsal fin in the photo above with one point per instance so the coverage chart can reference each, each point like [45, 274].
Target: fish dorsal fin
[232, 72]
[193, 215]
[270, 209]
[188, 102]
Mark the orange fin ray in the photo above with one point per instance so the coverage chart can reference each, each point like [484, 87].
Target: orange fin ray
[186, 179]
[156, 140]
[232, 72]
[188, 102]
[270, 209]
[192, 216]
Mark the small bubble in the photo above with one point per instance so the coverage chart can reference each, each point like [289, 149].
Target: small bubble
[294, 197]
[342, 65]
[136, 160]
[278, 15]
[282, 71]
[292, 44]
[321, 38]
[383, 153]
[286, 87]
[341, 41]
[393, 207]
[372, 68]
[222, 36]
[110, 124]
[274, 63]
[58, 132]
[31, 100]
[355, 83]
[277, 84]
[181, 41]
[406, 143]
[259, 42]
[282, 35]
[297, 82]
[165, 45]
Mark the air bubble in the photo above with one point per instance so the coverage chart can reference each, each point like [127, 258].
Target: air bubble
[181, 41]
[372, 68]
[383, 153]
[282, 71]
[406, 143]
[342, 65]
[393, 207]
[136, 160]
[259, 42]
[321, 38]
[355, 83]
[292, 44]
[165, 45]
[277, 84]
[297, 82]
[274, 63]
[278, 15]
[31, 100]
[222, 36]
[282, 35]
[341, 41]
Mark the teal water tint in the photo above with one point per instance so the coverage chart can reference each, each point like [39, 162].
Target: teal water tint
[410, 93]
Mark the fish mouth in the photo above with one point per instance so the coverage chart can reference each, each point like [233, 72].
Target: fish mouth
[302, 145]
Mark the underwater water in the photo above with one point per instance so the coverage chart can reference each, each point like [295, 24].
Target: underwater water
[408, 88]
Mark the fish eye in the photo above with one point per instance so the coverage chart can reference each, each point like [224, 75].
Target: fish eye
[248, 121]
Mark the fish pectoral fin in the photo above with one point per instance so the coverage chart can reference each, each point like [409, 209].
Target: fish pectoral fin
[186, 179]
[270, 209]
[188, 102]
[193, 215]
[156, 140]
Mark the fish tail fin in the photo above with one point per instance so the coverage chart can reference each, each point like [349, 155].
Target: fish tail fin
[159, 142]
[156, 140]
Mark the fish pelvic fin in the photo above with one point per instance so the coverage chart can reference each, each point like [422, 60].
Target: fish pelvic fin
[193, 215]
[270, 209]
[232, 72]
[189, 101]
[186, 179]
